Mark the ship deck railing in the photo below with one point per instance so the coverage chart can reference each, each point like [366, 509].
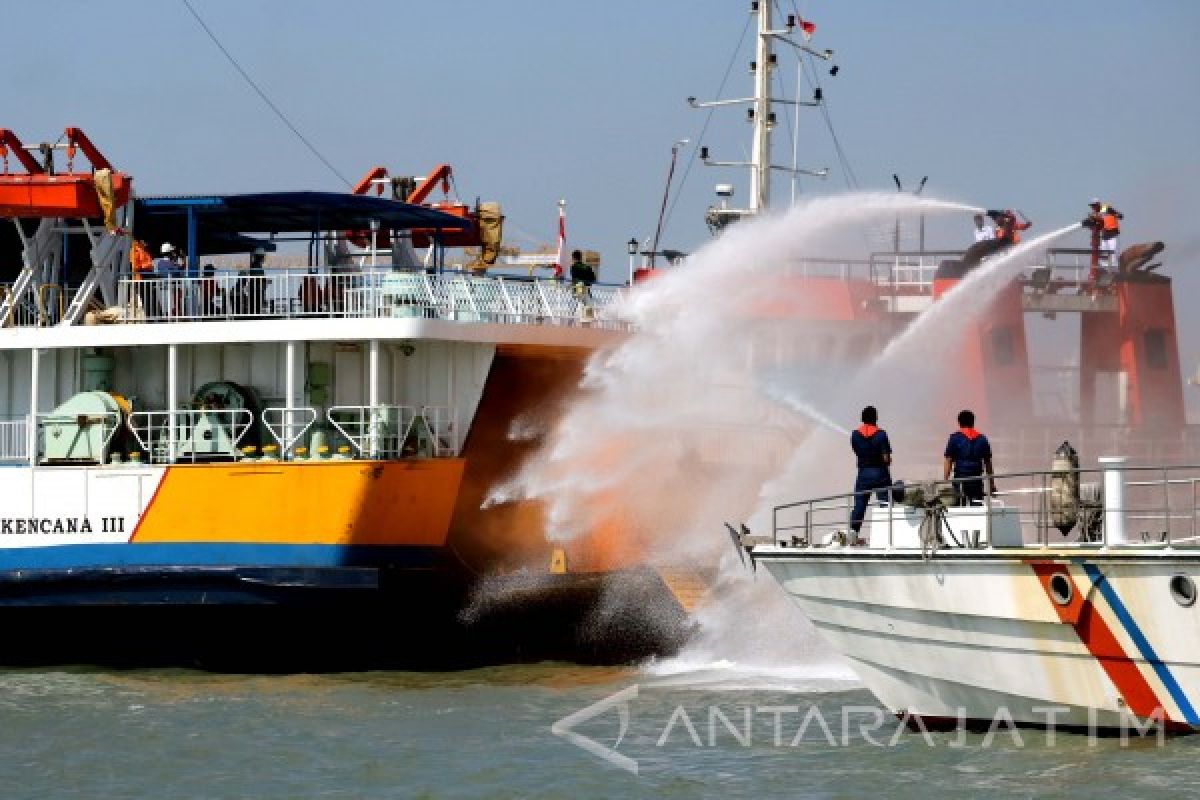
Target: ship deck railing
[912, 272]
[1119, 506]
[203, 435]
[14, 440]
[375, 293]
[390, 431]
[188, 435]
[36, 307]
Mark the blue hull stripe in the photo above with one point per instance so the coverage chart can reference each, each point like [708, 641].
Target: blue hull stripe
[1142, 644]
[83, 556]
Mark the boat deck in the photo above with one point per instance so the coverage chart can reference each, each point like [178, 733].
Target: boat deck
[1115, 507]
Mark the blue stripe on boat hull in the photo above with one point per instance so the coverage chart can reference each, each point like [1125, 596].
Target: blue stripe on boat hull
[174, 555]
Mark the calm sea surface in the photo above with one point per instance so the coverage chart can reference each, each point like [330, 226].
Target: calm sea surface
[487, 733]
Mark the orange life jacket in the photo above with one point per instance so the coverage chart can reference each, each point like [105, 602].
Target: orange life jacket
[1110, 221]
[139, 258]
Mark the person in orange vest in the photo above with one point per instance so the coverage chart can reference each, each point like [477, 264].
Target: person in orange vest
[140, 259]
[1105, 224]
[1008, 227]
[874, 453]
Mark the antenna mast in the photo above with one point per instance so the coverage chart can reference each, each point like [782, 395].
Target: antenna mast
[760, 113]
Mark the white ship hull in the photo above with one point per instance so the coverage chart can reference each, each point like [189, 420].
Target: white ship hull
[974, 636]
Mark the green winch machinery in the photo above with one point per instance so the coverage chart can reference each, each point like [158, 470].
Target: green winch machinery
[83, 429]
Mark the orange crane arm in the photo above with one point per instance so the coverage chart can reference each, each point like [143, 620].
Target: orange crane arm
[364, 185]
[77, 138]
[441, 173]
[9, 140]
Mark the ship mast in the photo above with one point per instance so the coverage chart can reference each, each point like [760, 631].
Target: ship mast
[760, 112]
[762, 115]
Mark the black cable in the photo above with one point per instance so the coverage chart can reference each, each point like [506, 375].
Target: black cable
[811, 76]
[263, 95]
[704, 129]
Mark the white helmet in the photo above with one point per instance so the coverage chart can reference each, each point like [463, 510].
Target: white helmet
[167, 248]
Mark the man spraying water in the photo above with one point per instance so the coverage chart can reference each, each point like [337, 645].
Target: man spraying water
[1005, 231]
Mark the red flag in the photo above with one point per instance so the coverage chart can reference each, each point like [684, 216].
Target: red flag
[807, 28]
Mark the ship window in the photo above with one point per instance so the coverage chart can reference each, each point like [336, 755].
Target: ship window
[1183, 589]
[1060, 589]
[1004, 350]
[1156, 349]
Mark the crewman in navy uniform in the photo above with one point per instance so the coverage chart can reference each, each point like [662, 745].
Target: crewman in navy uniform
[874, 452]
[969, 455]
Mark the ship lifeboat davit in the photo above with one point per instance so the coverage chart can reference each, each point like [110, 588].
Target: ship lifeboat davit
[40, 192]
[485, 228]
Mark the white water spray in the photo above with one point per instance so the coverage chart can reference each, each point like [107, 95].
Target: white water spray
[906, 378]
[680, 426]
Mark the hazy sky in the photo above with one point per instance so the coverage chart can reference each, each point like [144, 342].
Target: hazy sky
[1025, 103]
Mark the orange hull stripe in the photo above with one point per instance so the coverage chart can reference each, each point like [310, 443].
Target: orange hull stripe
[351, 502]
[1100, 641]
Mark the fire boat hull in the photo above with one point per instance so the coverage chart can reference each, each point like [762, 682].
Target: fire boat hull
[1042, 639]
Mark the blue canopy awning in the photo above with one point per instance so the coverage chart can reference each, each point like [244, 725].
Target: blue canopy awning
[223, 222]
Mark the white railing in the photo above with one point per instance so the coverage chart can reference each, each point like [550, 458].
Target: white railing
[397, 431]
[442, 423]
[36, 307]
[288, 426]
[204, 435]
[14, 441]
[1122, 506]
[168, 437]
[297, 294]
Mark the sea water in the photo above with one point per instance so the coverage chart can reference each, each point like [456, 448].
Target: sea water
[76, 733]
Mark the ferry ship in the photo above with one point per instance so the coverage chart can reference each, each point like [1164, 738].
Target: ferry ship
[282, 466]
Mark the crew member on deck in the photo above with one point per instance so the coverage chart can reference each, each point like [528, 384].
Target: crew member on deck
[581, 271]
[874, 452]
[969, 455]
[1105, 224]
[1008, 227]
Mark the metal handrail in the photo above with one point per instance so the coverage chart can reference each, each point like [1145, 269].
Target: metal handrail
[303, 294]
[286, 430]
[14, 440]
[397, 431]
[1154, 494]
[160, 433]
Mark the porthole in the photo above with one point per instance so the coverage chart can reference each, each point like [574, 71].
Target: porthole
[1060, 588]
[1183, 589]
